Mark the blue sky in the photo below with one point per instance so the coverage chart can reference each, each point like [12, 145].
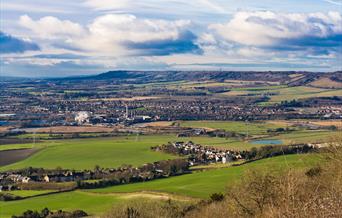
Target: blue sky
[63, 38]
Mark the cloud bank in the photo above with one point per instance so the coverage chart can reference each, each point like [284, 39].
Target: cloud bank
[281, 30]
[116, 35]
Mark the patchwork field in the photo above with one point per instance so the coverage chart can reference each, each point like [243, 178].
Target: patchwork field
[135, 150]
[326, 83]
[283, 93]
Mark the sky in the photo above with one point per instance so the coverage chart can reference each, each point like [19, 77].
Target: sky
[40, 38]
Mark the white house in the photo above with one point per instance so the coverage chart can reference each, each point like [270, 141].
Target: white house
[82, 117]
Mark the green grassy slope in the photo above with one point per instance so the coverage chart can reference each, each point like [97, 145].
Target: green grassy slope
[92, 204]
[202, 184]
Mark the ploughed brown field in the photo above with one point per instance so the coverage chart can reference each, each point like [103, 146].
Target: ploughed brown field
[3, 129]
[12, 156]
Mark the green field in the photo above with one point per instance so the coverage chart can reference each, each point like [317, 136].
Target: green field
[252, 128]
[135, 150]
[202, 184]
[308, 136]
[283, 93]
[93, 204]
[19, 146]
[105, 152]
[86, 153]
[198, 185]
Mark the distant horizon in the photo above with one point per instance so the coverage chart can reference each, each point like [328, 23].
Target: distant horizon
[161, 71]
[58, 39]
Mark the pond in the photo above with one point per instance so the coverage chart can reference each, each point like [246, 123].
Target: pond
[267, 142]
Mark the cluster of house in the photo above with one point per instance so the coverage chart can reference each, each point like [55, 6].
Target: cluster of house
[7, 179]
[199, 154]
[119, 175]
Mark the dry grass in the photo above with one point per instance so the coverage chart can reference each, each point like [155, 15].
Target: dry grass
[147, 208]
[4, 129]
[337, 123]
[70, 129]
[326, 83]
[158, 124]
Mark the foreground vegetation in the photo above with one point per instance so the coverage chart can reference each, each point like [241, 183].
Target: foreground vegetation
[314, 192]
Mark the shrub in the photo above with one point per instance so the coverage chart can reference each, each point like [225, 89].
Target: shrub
[217, 197]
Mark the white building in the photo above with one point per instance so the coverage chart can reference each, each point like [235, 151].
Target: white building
[82, 117]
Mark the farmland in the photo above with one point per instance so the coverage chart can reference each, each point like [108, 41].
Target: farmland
[197, 185]
[93, 204]
[252, 128]
[135, 150]
[283, 93]
[67, 145]
[105, 152]
[202, 184]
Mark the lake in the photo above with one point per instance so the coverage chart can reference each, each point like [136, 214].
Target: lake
[267, 142]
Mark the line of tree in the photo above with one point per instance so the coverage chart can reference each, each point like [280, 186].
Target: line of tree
[271, 151]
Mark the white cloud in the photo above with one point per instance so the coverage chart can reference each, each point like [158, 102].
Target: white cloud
[106, 34]
[266, 28]
[51, 27]
[129, 28]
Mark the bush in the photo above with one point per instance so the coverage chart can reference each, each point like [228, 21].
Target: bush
[9, 197]
[149, 209]
[217, 197]
[46, 213]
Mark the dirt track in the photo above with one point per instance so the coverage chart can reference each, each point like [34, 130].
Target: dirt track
[12, 156]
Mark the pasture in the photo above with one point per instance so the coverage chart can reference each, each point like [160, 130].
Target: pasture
[202, 184]
[81, 154]
[69, 201]
[199, 185]
[308, 136]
